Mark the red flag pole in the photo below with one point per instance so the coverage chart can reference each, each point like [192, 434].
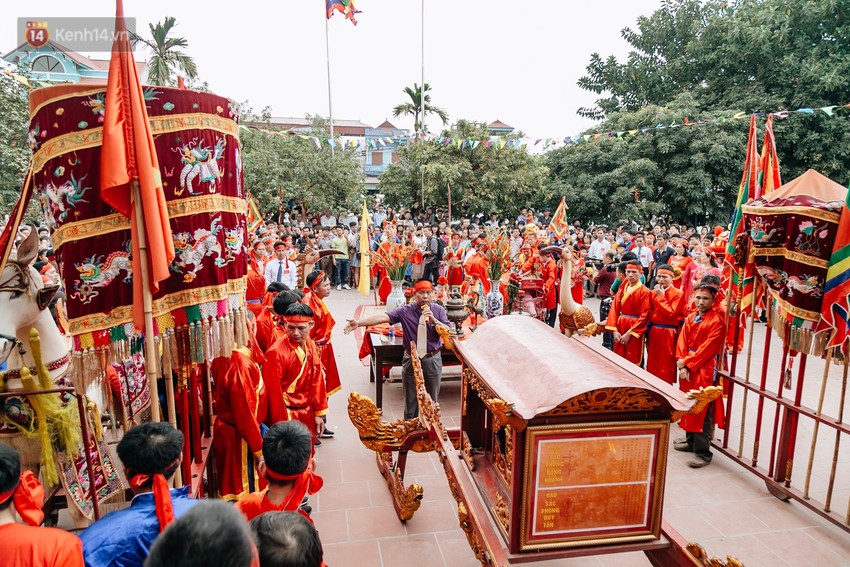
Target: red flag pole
[151, 361]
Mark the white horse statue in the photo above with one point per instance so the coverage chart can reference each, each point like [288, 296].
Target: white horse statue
[23, 301]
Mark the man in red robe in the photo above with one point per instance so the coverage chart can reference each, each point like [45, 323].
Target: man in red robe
[240, 404]
[288, 465]
[256, 280]
[29, 545]
[454, 263]
[666, 313]
[293, 375]
[697, 351]
[267, 319]
[629, 314]
[549, 275]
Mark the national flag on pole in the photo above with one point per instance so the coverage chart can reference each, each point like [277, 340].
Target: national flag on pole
[128, 156]
[255, 219]
[835, 309]
[746, 191]
[344, 7]
[559, 224]
[365, 249]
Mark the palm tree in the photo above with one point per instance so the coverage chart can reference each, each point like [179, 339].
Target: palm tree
[413, 108]
[166, 58]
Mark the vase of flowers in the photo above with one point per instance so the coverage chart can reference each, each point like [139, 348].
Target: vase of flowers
[497, 251]
[494, 303]
[394, 259]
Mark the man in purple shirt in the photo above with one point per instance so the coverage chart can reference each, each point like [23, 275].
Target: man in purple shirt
[420, 312]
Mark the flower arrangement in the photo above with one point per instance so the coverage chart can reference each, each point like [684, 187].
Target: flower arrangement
[513, 289]
[497, 250]
[395, 258]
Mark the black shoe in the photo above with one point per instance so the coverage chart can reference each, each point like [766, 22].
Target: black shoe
[316, 443]
[698, 463]
[685, 448]
[327, 434]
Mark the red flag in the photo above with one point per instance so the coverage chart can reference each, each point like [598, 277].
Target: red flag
[7, 238]
[255, 219]
[559, 224]
[835, 309]
[769, 178]
[128, 155]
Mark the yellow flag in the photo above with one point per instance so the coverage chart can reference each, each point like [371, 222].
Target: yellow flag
[365, 249]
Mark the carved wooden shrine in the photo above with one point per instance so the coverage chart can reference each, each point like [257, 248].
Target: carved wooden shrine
[561, 452]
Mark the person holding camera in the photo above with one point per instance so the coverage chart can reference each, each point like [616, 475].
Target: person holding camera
[603, 278]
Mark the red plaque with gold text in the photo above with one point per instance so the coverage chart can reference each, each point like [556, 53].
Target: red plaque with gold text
[593, 483]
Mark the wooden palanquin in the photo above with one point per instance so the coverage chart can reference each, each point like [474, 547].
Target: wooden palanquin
[563, 444]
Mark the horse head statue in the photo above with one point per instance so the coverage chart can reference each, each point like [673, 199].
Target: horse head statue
[23, 300]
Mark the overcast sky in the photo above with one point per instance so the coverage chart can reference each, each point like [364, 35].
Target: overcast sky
[515, 61]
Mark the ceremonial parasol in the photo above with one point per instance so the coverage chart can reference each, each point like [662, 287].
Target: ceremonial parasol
[793, 230]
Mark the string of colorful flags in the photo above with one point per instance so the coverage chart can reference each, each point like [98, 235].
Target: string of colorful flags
[378, 143]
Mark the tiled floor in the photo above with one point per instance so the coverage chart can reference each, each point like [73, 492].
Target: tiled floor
[722, 507]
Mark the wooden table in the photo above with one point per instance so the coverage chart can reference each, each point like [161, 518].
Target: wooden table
[389, 354]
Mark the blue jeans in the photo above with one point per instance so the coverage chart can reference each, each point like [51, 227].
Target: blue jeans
[341, 272]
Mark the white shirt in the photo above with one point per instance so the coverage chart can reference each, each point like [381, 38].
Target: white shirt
[378, 218]
[289, 274]
[327, 220]
[644, 253]
[598, 248]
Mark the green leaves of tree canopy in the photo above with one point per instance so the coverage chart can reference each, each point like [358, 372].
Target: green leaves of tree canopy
[167, 57]
[481, 179]
[748, 56]
[14, 149]
[306, 174]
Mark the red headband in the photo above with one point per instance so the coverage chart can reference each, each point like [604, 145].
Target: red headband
[161, 495]
[305, 482]
[423, 285]
[297, 318]
[634, 263]
[280, 247]
[318, 280]
[28, 497]
[666, 271]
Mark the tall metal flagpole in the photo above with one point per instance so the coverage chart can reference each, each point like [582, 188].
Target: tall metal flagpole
[422, 101]
[330, 98]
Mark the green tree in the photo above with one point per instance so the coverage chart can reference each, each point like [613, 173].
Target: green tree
[482, 179]
[741, 56]
[414, 107]
[687, 174]
[14, 149]
[295, 169]
[167, 58]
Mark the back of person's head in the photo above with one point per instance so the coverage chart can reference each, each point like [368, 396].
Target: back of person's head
[711, 280]
[10, 471]
[277, 287]
[151, 448]
[628, 256]
[211, 534]
[287, 447]
[284, 299]
[286, 539]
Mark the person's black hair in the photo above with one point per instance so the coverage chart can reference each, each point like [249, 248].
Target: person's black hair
[286, 539]
[711, 280]
[311, 277]
[211, 533]
[621, 267]
[284, 299]
[277, 287]
[298, 309]
[10, 471]
[151, 448]
[287, 447]
[628, 256]
[278, 243]
[39, 265]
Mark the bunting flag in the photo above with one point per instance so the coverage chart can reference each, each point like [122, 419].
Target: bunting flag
[254, 219]
[835, 309]
[344, 7]
[128, 158]
[365, 275]
[746, 192]
[559, 224]
[10, 232]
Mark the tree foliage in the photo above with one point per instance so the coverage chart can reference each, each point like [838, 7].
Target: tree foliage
[687, 174]
[14, 149]
[744, 55]
[482, 179]
[413, 107]
[295, 169]
[167, 58]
